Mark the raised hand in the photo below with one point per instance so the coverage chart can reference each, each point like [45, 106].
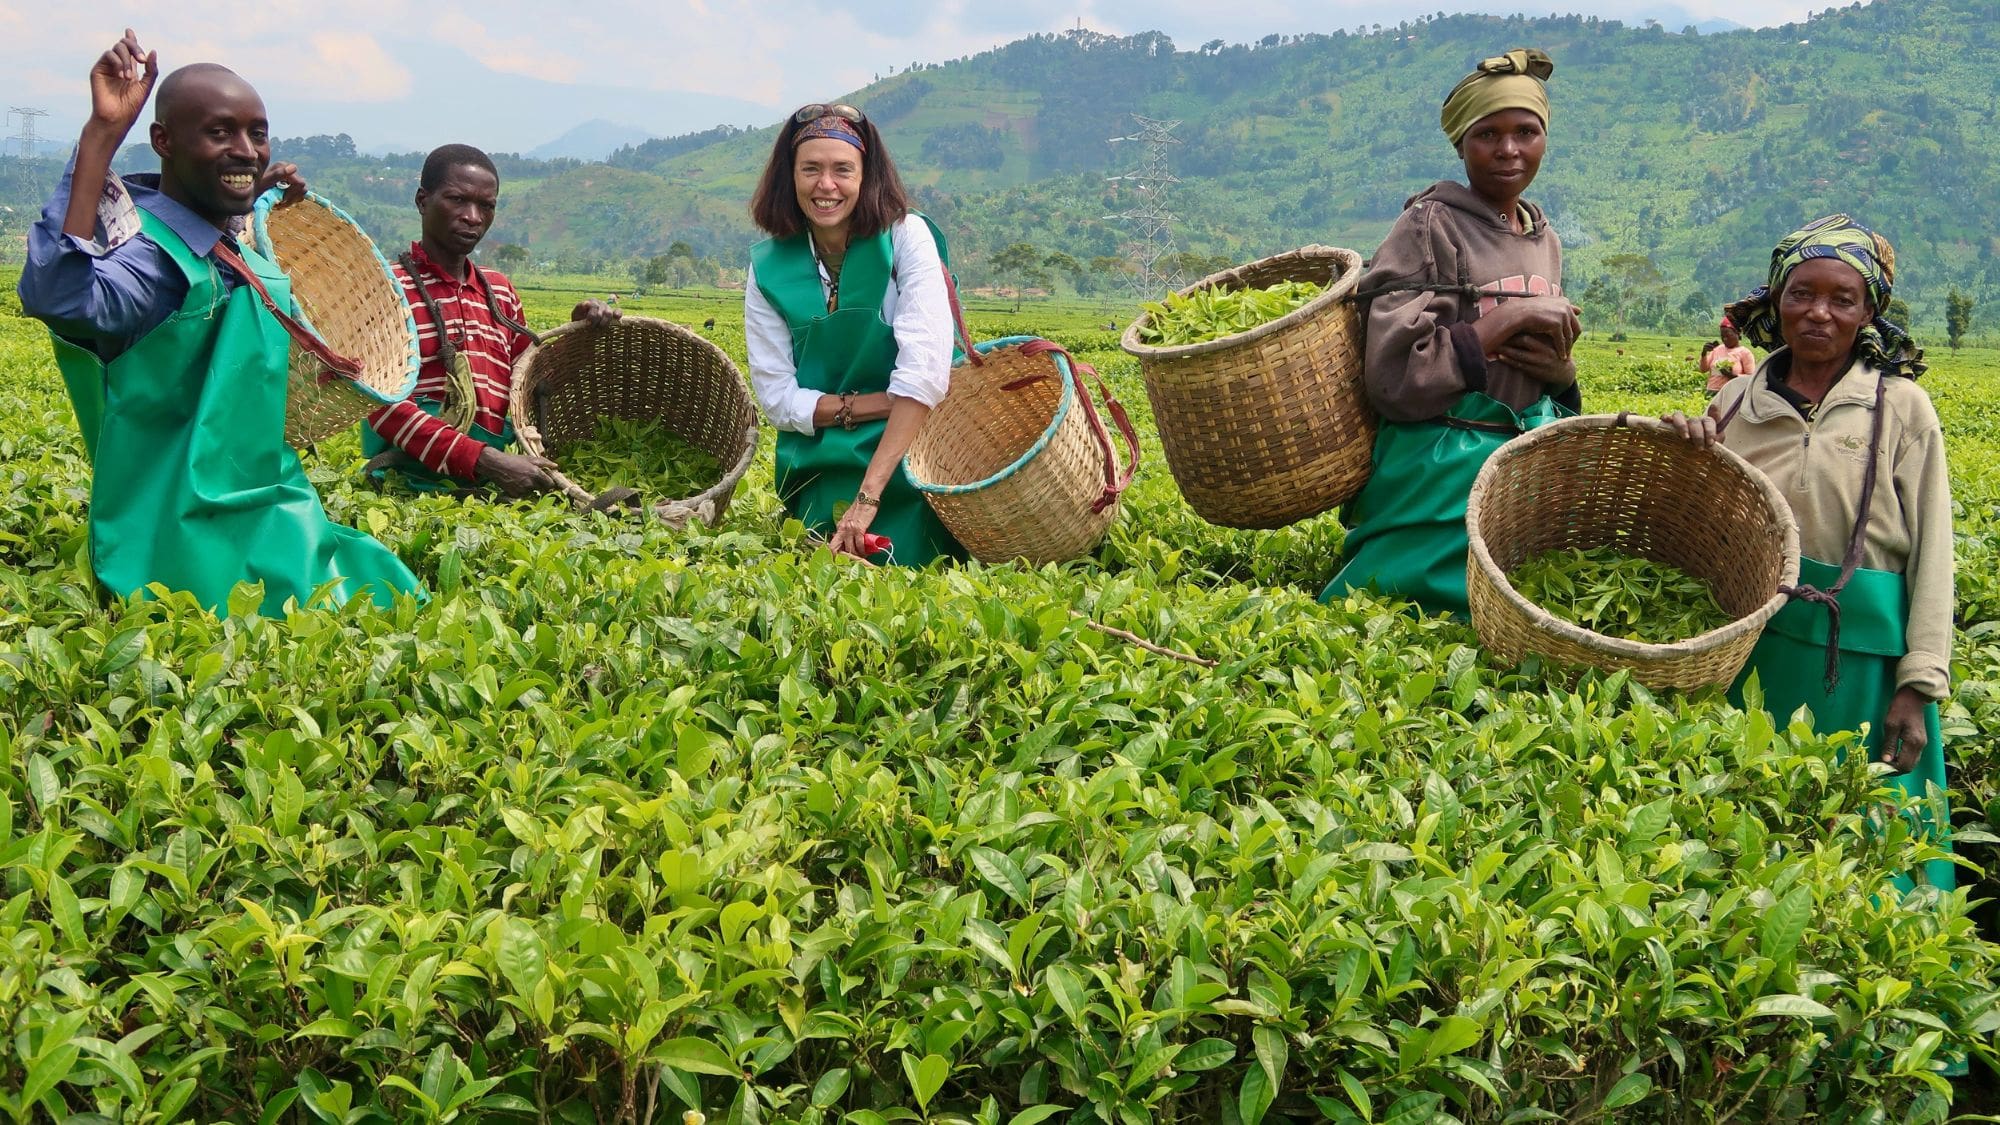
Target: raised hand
[120, 82]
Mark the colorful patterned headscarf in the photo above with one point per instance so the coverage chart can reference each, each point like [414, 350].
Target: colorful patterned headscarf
[832, 128]
[1883, 343]
[1510, 81]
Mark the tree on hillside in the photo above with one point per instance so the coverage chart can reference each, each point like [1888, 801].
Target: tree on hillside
[1697, 309]
[1024, 264]
[1066, 264]
[1108, 273]
[1640, 286]
[1898, 312]
[1957, 317]
[508, 256]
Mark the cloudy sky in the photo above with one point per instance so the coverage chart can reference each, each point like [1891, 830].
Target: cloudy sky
[512, 74]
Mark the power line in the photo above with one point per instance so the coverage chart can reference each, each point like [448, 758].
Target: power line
[1151, 220]
[27, 140]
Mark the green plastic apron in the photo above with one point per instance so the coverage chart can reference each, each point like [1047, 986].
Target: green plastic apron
[849, 351]
[418, 477]
[1790, 663]
[192, 484]
[1406, 529]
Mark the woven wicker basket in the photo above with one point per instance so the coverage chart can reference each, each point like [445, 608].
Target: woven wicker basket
[1016, 460]
[1634, 485]
[351, 300]
[638, 369]
[1267, 427]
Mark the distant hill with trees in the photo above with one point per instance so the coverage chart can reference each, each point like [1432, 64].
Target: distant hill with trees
[1675, 161]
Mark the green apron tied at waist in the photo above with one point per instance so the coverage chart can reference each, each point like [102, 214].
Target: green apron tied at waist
[851, 350]
[1406, 529]
[1789, 663]
[192, 484]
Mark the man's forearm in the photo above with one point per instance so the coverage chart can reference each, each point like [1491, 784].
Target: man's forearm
[94, 151]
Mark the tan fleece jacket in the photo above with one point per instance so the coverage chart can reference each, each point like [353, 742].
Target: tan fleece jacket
[1818, 465]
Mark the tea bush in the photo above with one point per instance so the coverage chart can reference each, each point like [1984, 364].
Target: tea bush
[629, 820]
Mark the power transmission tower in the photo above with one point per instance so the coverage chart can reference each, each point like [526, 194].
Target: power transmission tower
[26, 139]
[1151, 220]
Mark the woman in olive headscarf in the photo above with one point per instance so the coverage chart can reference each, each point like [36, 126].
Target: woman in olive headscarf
[1835, 418]
[1468, 339]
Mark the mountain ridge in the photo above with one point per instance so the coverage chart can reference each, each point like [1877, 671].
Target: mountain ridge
[1675, 161]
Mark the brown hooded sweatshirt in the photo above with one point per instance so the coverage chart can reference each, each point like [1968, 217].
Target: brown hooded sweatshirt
[1422, 355]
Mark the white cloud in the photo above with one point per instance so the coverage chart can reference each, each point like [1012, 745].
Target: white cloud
[774, 53]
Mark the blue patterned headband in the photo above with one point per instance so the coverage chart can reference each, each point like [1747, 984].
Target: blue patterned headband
[830, 127]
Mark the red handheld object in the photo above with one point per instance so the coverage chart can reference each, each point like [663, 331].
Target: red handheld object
[873, 544]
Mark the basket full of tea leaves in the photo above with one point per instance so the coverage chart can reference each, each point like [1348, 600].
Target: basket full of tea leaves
[1254, 375]
[1619, 596]
[639, 404]
[1611, 542]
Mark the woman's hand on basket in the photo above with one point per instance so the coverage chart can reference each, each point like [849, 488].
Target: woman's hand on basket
[596, 313]
[288, 175]
[516, 474]
[1700, 429]
[1904, 734]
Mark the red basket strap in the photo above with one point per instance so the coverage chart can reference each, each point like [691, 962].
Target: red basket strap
[337, 366]
[1115, 482]
[958, 318]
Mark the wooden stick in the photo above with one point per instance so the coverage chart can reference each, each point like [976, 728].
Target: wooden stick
[577, 494]
[1135, 639]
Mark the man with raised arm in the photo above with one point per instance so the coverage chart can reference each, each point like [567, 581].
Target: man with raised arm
[454, 430]
[175, 356]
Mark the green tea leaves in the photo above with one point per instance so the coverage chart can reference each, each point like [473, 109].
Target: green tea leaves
[1210, 314]
[1619, 596]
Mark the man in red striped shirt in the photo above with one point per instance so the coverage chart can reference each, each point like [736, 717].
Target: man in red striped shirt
[454, 430]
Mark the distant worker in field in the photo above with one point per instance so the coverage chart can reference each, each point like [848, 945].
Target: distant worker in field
[1468, 336]
[847, 317]
[1836, 419]
[453, 431]
[174, 353]
[1727, 358]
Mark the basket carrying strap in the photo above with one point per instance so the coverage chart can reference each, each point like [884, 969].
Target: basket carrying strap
[335, 365]
[1857, 540]
[1115, 481]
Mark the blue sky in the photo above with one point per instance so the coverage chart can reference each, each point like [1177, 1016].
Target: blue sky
[511, 74]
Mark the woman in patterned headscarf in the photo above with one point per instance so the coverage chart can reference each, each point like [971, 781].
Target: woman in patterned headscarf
[1835, 417]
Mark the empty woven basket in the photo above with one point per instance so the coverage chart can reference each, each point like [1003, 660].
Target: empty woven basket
[644, 370]
[1634, 485]
[1017, 460]
[1269, 426]
[351, 299]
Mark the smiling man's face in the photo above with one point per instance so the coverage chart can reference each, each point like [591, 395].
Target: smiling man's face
[214, 143]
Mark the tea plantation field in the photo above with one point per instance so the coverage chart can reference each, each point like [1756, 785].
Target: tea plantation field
[629, 822]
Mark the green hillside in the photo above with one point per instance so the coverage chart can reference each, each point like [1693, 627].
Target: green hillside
[1695, 153]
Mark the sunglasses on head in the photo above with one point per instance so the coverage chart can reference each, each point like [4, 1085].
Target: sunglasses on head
[817, 110]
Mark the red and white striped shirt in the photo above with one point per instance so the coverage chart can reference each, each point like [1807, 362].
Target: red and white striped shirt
[490, 349]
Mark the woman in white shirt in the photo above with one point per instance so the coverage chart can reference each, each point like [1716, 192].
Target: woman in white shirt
[849, 327]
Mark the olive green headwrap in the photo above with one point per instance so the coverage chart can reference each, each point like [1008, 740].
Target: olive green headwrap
[1510, 81]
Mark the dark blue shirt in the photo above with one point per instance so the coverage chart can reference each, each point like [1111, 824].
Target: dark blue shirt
[107, 298]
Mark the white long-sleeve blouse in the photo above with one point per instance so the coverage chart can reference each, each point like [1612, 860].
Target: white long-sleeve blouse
[915, 305]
